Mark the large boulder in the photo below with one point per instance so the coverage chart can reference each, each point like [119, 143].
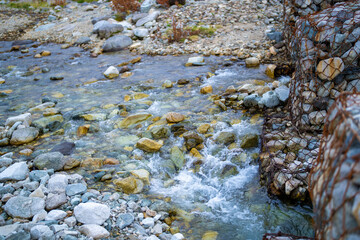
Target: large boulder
[92, 213]
[24, 207]
[52, 160]
[18, 171]
[116, 43]
[105, 29]
[23, 135]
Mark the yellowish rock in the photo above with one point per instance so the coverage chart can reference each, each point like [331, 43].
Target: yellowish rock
[203, 128]
[173, 117]
[38, 55]
[45, 53]
[328, 69]
[206, 89]
[82, 130]
[179, 94]
[127, 98]
[270, 71]
[107, 106]
[57, 95]
[50, 112]
[6, 91]
[235, 121]
[148, 145]
[111, 161]
[2, 81]
[273, 50]
[210, 235]
[130, 185]
[135, 60]
[141, 174]
[254, 119]
[93, 80]
[195, 153]
[138, 96]
[194, 38]
[133, 119]
[71, 163]
[94, 116]
[92, 163]
[129, 149]
[126, 74]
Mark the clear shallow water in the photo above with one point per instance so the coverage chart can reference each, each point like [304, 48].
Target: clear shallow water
[237, 207]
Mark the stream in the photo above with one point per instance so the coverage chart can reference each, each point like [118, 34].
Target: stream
[218, 191]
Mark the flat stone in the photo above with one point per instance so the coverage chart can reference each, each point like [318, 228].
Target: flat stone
[105, 29]
[92, 213]
[24, 135]
[117, 43]
[141, 32]
[173, 117]
[133, 119]
[76, 188]
[24, 207]
[8, 229]
[65, 148]
[18, 171]
[151, 17]
[56, 215]
[252, 62]
[195, 61]
[141, 174]
[41, 232]
[177, 157]
[148, 145]
[148, 222]
[124, 220]
[24, 118]
[94, 231]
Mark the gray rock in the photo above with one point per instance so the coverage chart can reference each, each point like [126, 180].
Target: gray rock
[8, 229]
[74, 189]
[94, 231]
[251, 100]
[41, 232]
[116, 43]
[249, 141]
[52, 160]
[4, 162]
[55, 200]
[37, 175]
[146, 5]
[276, 36]
[56, 215]
[225, 138]
[65, 148]
[141, 32]
[105, 29]
[58, 183]
[45, 27]
[282, 93]
[148, 222]
[17, 171]
[70, 221]
[92, 213]
[24, 207]
[98, 19]
[269, 99]
[25, 119]
[151, 17]
[59, 227]
[158, 132]
[83, 40]
[23, 135]
[124, 220]
[19, 235]
[4, 142]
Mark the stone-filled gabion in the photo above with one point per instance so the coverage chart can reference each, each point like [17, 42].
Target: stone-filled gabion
[334, 184]
[326, 48]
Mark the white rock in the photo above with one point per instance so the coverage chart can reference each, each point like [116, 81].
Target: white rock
[111, 72]
[41, 232]
[94, 231]
[39, 216]
[58, 183]
[17, 171]
[152, 237]
[141, 32]
[252, 62]
[148, 222]
[24, 118]
[177, 236]
[196, 61]
[70, 221]
[92, 213]
[56, 215]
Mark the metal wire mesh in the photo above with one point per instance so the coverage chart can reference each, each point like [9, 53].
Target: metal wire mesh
[335, 179]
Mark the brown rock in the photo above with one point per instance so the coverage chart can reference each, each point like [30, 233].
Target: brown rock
[71, 163]
[270, 71]
[111, 161]
[206, 89]
[92, 163]
[26, 152]
[82, 130]
[203, 128]
[135, 60]
[173, 117]
[129, 185]
[148, 145]
[328, 69]
[45, 53]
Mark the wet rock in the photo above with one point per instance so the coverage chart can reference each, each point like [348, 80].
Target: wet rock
[105, 29]
[65, 148]
[167, 84]
[94, 117]
[92, 213]
[177, 157]
[141, 174]
[206, 89]
[225, 138]
[18, 171]
[116, 43]
[192, 140]
[133, 119]
[229, 170]
[24, 207]
[173, 117]
[269, 99]
[183, 81]
[129, 185]
[56, 78]
[252, 62]
[111, 72]
[94, 231]
[24, 135]
[270, 71]
[329, 68]
[158, 132]
[210, 235]
[51, 123]
[52, 160]
[25, 119]
[141, 32]
[249, 141]
[203, 128]
[251, 100]
[195, 61]
[148, 145]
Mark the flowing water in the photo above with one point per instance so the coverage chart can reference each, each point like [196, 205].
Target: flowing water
[234, 205]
